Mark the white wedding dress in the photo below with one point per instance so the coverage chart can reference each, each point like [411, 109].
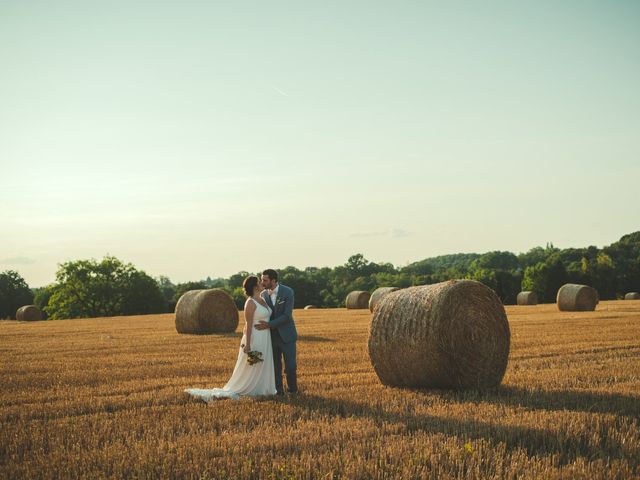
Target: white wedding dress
[248, 380]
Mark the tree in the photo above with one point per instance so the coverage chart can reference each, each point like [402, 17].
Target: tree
[356, 264]
[91, 288]
[497, 261]
[499, 271]
[545, 278]
[625, 254]
[603, 273]
[237, 279]
[183, 288]
[41, 298]
[14, 293]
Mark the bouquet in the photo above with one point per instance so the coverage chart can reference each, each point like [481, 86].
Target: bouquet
[253, 357]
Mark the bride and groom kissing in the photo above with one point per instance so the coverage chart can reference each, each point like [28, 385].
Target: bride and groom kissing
[270, 330]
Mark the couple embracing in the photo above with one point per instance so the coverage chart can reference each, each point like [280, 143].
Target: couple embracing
[269, 335]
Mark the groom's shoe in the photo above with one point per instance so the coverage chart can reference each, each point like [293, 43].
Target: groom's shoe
[280, 393]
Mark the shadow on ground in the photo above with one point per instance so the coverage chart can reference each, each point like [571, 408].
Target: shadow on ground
[535, 441]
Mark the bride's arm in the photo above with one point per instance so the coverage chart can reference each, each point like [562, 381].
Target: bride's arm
[249, 310]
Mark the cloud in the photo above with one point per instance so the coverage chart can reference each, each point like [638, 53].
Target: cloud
[400, 233]
[17, 261]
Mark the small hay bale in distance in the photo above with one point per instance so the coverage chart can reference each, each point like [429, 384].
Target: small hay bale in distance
[573, 297]
[358, 300]
[632, 296]
[310, 307]
[527, 298]
[206, 311]
[452, 334]
[29, 313]
[377, 295]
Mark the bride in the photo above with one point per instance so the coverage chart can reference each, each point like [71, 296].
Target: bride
[248, 380]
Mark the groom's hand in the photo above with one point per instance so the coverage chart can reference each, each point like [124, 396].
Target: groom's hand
[262, 325]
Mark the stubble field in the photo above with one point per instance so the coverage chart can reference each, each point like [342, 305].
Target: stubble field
[103, 398]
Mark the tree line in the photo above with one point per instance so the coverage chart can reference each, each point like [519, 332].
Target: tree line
[109, 287]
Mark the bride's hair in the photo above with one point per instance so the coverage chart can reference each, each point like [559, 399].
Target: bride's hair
[249, 284]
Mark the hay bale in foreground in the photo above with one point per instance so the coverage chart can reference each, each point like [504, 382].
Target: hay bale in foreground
[577, 298]
[377, 295]
[527, 298]
[632, 296]
[358, 300]
[29, 313]
[310, 307]
[206, 311]
[452, 334]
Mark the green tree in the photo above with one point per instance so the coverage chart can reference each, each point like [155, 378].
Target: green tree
[625, 254]
[14, 293]
[545, 278]
[497, 261]
[604, 276]
[168, 290]
[499, 271]
[238, 296]
[91, 288]
[41, 298]
[485, 276]
[183, 288]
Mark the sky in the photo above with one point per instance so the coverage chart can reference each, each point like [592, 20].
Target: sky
[203, 138]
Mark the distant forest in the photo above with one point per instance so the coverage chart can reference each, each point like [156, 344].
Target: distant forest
[107, 287]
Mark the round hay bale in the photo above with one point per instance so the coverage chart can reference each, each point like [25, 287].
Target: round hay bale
[632, 296]
[358, 300]
[576, 298]
[29, 313]
[527, 298]
[310, 307]
[452, 334]
[377, 295]
[206, 311]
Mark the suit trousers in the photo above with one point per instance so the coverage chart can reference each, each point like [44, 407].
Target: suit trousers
[288, 351]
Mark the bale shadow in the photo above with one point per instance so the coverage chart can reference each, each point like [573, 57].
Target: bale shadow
[535, 441]
[550, 400]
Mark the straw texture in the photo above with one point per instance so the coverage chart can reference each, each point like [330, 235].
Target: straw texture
[453, 334]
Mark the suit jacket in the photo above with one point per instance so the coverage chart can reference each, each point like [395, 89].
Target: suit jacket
[282, 314]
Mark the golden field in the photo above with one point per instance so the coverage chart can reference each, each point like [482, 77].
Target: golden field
[103, 398]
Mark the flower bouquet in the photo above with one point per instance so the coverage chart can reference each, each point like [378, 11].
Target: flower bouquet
[253, 357]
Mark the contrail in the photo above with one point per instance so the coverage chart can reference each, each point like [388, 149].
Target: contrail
[284, 94]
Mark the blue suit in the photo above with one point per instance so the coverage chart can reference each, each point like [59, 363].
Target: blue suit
[283, 337]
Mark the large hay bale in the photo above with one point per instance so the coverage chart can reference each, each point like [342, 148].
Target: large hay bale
[452, 334]
[310, 307]
[206, 311]
[377, 295]
[632, 296]
[527, 298]
[577, 298]
[29, 313]
[358, 300]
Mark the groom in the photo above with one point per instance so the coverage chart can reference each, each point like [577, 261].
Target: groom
[283, 331]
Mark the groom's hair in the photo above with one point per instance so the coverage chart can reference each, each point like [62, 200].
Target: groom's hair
[271, 273]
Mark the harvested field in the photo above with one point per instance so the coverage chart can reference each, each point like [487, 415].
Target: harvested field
[103, 398]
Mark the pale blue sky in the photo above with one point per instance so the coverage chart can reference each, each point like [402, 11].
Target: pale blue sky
[203, 138]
